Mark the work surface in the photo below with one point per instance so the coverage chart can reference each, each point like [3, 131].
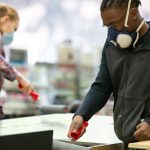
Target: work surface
[100, 129]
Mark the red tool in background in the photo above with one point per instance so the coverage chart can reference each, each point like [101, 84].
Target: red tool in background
[75, 135]
[34, 95]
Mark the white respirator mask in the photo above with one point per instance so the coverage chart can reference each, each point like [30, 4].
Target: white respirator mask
[124, 39]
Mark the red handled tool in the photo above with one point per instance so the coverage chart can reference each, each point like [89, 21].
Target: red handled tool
[34, 95]
[76, 135]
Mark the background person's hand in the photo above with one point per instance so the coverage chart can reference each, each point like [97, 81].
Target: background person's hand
[142, 132]
[76, 125]
[24, 85]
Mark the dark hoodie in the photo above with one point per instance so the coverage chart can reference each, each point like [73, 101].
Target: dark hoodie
[126, 74]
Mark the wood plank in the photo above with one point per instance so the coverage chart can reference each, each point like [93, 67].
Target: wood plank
[140, 145]
[108, 147]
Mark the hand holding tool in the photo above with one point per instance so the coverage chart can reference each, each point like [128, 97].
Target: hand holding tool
[75, 135]
[34, 95]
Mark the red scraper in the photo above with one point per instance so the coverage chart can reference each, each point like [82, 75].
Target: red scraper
[75, 135]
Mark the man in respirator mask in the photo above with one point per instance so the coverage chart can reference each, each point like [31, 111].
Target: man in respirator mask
[124, 73]
[9, 20]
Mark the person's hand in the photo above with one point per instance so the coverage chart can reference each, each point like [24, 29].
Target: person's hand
[24, 85]
[76, 125]
[142, 132]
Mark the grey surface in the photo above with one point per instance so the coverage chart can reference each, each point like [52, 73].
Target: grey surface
[61, 145]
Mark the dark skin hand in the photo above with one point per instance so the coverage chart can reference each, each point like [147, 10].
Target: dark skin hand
[76, 125]
[142, 132]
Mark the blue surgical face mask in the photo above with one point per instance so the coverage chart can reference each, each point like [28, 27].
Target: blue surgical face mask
[124, 39]
[7, 38]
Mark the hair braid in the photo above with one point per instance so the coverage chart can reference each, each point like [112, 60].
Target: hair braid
[119, 3]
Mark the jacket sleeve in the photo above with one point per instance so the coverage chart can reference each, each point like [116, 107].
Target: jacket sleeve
[6, 70]
[99, 92]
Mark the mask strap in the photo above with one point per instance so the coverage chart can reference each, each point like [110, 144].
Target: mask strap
[127, 14]
[140, 26]
[137, 31]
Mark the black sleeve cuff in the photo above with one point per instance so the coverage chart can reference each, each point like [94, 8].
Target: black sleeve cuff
[82, 115]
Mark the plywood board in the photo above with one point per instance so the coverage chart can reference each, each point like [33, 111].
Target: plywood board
[140, 145]
[108, 147]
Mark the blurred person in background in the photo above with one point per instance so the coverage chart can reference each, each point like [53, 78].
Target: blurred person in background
[9, 21]
[124, 71]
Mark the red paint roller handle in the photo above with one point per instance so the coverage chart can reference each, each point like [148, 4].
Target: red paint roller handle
[76, 135]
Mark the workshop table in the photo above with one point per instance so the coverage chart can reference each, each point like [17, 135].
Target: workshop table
[99, 132]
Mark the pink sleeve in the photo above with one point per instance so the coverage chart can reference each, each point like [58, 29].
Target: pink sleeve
[7, 70]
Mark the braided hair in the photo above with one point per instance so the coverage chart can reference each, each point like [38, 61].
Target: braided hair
[118, 3]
